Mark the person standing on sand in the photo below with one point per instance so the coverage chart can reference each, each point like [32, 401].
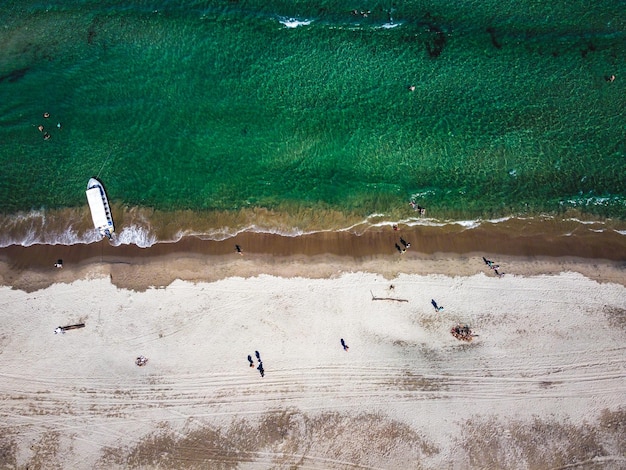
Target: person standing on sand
[238, 249]
[250, 361]
[344, 345]
[437, 307]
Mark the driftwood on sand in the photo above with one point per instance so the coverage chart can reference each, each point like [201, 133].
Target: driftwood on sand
[387, 298]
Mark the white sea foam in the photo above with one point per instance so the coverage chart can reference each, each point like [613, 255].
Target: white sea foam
[583, 222]
[593, 201]
[69, 237]
[293, 22]
[501, 219]
[421, 221]
[135, 235]
[422, 194]
[468, 223]
[72, 237]
[33, 228]
[224, 233]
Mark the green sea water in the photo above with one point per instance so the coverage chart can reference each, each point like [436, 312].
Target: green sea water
[226, 105]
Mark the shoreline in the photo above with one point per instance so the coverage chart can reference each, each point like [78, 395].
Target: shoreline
[458, 252]
[146, 227]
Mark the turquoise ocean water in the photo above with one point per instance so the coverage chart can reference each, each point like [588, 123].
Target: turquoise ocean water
[221, 112]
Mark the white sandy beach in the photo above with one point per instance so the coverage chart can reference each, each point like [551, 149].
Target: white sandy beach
[541, 386]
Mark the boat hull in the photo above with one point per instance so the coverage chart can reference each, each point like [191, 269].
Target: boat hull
[100, 209]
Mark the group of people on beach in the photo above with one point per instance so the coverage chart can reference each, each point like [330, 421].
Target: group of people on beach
[462, 332]
[493, 266]
[402, 249]
[418, 208]
[141, 361]
[404, 245]
[260, 366]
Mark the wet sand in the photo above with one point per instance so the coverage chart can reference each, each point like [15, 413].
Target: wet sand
[453, 250]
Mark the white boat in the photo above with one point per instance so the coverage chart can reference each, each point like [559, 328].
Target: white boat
[100, 209]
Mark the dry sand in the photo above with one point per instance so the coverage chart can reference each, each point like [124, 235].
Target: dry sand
[541, 386]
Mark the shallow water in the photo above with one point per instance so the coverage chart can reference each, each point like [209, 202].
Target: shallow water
[220, 108]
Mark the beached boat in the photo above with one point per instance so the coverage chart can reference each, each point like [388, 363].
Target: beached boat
[100, 209]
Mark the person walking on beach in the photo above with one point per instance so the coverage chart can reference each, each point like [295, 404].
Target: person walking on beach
[258, 356]
[437, 307]
[404, 242]
[344, 345]
[490, 263]
[250, 360]
[261, 370]
[493, 266]
[238, 249]
[400, 249]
